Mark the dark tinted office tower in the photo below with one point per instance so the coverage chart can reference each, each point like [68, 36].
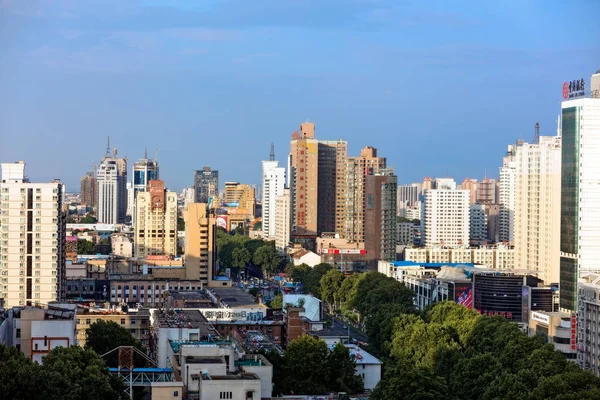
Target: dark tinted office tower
[88, 190]
[206, 184]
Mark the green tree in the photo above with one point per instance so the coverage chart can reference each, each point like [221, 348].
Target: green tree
[342, 369]
[267, 258]
[241, 257]
[305, 359]
[277, 301]
[71, 373]
[312, 281]
[85, 247]
[88, 219]
[103, 336]
[77, 373]
[330, 284]
[406, 381]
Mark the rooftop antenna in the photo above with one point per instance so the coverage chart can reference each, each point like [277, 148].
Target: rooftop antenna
[108, 147]
[146, 153]
[536, 137]
[156, 155]
[272, 155]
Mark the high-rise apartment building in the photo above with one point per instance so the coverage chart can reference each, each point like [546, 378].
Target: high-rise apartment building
[353, 206]
[273, 184]
[304, 180]
[88, 190]
[200, 243]
[470, 185]
[144, 170]
[478, 223]
[408, 195]
[506, 222]
[242, 195]
[580, 194]
[283, 220]
[155, 221]
[428, 183]
[33, 239]
[206, 184]
[446, 218]
[380, 226]
[111, 181]
[487, 191]
[537, 208]
[332, 157]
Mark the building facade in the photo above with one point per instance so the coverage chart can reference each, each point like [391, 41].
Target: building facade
[243, 195]
[304, 182]
[333, 155]
[200, 243]
[88, 190]
[206, 185]
[506, 216]
[273, 184]
[537, 208]
[353, 206]
[580, 208]
[33, 242]
[588, 323]
[155, 221]
[111, 181]
[282, 220]
[381, 190]
[446, 218]
[478, 223]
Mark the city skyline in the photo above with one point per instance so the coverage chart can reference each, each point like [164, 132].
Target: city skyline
[218, 82]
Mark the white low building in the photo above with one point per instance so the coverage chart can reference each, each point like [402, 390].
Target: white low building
[367, 366]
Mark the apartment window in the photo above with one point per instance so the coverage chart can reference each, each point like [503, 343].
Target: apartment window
[226, 395]
[122, 321]
[88, 321]
[18, 333]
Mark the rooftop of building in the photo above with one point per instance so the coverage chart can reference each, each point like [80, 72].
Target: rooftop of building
[361, 356]
[240, 376]
[188, 295]
[253, 341]
[177, 344]
[329, 332]
[429, 264]
[191, 319]
[204, 360]
[57, 311]
[253, 360]
[234, 297]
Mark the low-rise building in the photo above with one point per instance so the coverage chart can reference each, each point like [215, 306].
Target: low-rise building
[137, 322]
[368, 367]
[307, 257]
[497, 257]
[555, 328]
[587, 323]
[37, 330]
[122, 245]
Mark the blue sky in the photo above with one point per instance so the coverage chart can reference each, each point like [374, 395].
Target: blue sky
[439, 87]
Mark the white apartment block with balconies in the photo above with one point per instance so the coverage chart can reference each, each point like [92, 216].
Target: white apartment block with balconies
[33, 239]
[446, 218]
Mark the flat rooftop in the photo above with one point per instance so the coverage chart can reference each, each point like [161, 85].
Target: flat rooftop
[234, 297]
[176, 344]
[204, 360]
[191, 319]
[230, 377]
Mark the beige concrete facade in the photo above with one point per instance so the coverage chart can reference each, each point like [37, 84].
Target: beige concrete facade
[155, 221]
[537, 208]
[304, 162]
[353, 206]
[242, 194]
[138, 324]
[200, 243]
[283, 220]
[32, 239]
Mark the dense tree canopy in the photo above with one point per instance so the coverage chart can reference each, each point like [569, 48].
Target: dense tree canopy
[310, 367]
[454, 353]
[239, 250]
[85, 247]
[67, 373]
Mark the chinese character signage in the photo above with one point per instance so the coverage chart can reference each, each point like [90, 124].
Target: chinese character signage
[573, 89]
[216, 314]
